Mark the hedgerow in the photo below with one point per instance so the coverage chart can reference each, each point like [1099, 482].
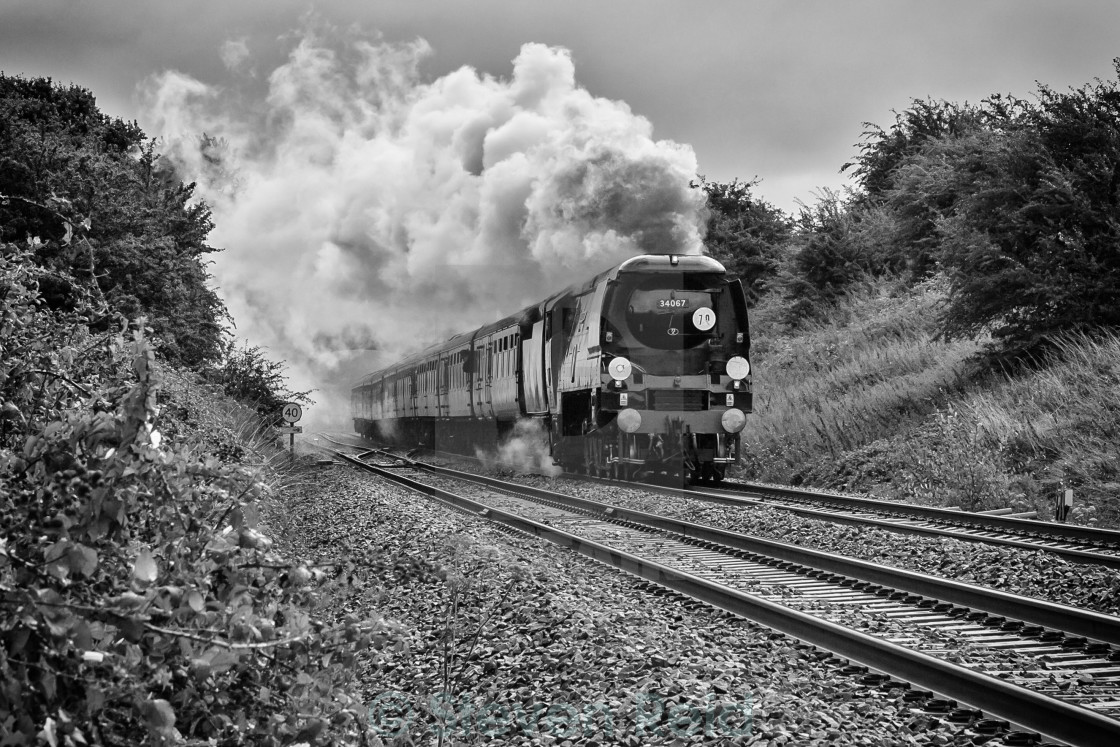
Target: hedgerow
[140, 603]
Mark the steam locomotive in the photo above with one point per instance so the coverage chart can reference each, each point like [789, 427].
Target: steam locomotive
[642, 369]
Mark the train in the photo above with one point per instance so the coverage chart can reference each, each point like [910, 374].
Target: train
[643, 369]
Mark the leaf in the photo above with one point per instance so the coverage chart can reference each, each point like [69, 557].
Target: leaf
[48, 733]
[81, 636]
[196, 602]
[83, 560]
[145, 569]
[221, 659]
[57, 564]
[132, 629]
[158, 714]
[95, 698]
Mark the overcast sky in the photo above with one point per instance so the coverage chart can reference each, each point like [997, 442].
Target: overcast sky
[774, 89]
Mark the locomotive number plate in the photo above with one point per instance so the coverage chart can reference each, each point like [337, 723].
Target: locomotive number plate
[672, 303]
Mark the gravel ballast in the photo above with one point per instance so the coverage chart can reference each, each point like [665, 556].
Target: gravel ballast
[537, 645]
[1027, 572]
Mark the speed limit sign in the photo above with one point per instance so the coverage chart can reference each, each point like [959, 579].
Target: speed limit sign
[291, 412]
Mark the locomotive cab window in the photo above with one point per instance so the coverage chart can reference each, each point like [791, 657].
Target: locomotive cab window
[692, 312]
[662, 314]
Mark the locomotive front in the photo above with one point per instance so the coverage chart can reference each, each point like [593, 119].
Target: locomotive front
[675, 375]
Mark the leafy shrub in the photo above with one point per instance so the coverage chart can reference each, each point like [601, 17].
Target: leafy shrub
[830, 256]
[884, 151]
[745, 233]
[1016, 203]
[140, 603]
[952, 464]
[247, 375]
[105, 213]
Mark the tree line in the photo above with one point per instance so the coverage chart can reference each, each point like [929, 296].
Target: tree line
[139, 603]
[105, 217]
[1014, 201]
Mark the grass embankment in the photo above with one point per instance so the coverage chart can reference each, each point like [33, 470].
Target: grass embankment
[872, 401]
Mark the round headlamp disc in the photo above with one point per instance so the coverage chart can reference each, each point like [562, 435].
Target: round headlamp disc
[733, 420]
[629, 420]
[619, 368]
[738, 367]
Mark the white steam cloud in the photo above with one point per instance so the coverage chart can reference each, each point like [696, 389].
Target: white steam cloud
[523, 452]
[363, 209]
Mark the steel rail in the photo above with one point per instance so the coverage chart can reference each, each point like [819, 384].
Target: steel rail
[1096, 625]
[1083, 557]
[991, 522]
[1031, 710]
[1072, 532]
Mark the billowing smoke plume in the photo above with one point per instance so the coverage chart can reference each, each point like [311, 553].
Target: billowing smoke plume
[363, 209]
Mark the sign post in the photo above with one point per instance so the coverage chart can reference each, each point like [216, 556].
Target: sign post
[1063, 505]
[290, 413]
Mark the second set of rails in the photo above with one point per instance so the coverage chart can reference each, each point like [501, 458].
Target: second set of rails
[1045, 667]
[1074, 543]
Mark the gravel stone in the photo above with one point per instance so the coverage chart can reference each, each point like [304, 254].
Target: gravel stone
[552, 648]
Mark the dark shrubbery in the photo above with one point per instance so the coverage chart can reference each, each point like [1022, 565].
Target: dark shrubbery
[1019, 205]
[139, 602]
[245, 374]
[745, 233]
[103, 211]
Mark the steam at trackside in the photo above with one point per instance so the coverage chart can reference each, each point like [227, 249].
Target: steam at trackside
[365, 212]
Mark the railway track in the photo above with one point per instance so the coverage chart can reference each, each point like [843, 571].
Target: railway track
[1046, 667]
[1074, 543]
[1077, 544]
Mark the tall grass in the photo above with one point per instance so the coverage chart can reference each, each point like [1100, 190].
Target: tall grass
[871, 400]
[870, 373]
[224, 428]
[1059, 427]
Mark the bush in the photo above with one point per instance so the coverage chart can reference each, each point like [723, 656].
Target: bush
[246, 375]
[106, 215]
[831, 254]
[1017, 204]
[140, 603]
[745, 233]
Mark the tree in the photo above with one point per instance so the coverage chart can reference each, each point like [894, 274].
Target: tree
[101, 209]
[887, 159]
[883, 151]
[251, 378]
[827, 257]
[745, 233]
[1028, 217]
